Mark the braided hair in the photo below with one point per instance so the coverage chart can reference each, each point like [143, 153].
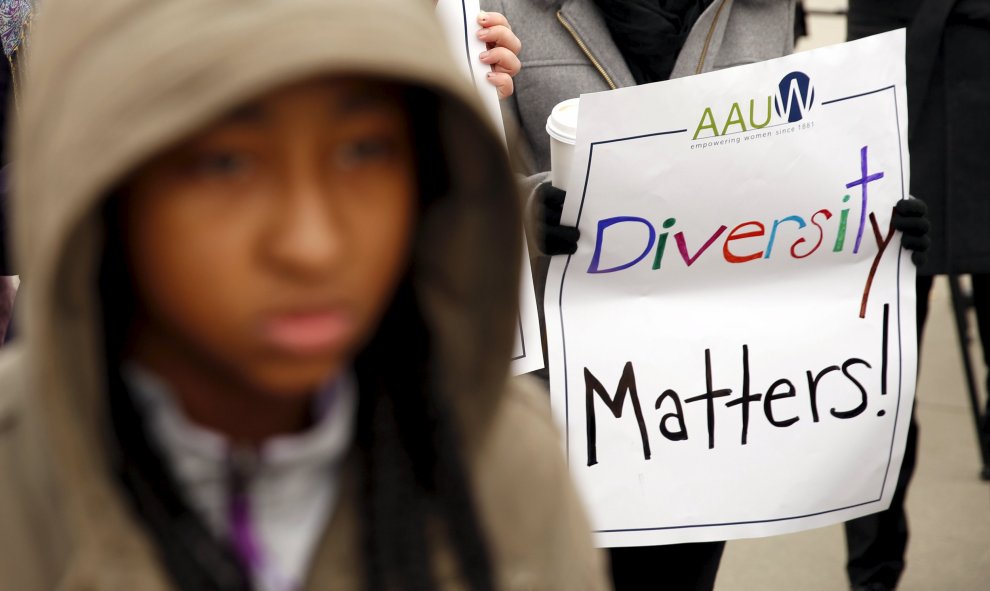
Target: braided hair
[414, 481]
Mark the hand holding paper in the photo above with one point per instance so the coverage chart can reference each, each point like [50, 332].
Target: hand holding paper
[553, 238]
[502, 51]
[911, 219]
[460, 19]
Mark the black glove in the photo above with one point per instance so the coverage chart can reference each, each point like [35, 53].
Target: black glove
[911, 218]
[552, 238]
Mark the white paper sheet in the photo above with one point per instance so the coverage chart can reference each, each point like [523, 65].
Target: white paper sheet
[459, 20]
[713, 263]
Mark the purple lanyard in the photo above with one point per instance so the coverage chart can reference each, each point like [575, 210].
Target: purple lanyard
[243, 535]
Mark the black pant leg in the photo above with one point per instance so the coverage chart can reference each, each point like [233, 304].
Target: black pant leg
[678, 567]
[876, 543]
[981, 302]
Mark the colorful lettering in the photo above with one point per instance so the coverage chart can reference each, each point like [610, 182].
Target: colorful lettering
[863, 183]
[733, 235]
[752, 120]
[608, 223]
[735, 118]
[773, 232]
[821, 235]
[681, 246]
[840, 238]
[710, 118]
[662, 243]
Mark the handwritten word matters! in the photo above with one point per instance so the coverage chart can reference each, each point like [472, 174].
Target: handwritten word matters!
[781, 402]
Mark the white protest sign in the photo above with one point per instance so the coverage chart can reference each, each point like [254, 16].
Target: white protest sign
[733, 346]
[459, 21]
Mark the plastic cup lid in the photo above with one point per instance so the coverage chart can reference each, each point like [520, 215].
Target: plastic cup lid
[562, 122]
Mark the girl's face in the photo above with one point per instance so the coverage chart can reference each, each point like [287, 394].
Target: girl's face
[266, 249]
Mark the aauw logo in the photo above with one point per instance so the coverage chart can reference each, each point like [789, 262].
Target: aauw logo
[793, 99]
[795, 96]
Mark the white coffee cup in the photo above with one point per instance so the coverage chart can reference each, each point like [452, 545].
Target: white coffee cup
[562, 129]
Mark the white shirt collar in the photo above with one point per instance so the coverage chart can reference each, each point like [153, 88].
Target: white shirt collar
[295, 480]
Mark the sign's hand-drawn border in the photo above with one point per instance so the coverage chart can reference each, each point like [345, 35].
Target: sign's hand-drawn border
[563, 281]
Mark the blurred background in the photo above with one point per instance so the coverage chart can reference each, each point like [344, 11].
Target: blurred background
[948, 503]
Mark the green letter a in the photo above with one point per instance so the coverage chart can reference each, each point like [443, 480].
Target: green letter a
[710, 119]
[735, 118]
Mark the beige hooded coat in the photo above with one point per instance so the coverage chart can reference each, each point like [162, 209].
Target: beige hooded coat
[109, 83]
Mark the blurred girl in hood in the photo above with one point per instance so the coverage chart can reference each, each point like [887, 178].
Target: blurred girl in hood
[271, 254]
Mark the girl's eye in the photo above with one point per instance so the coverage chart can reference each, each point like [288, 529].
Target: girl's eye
[364, 151]
[220, 164]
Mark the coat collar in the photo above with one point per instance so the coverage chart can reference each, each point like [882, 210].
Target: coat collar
[698, 54]
[589, 25]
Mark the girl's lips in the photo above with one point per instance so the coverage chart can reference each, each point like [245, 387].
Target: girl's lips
[303, 333]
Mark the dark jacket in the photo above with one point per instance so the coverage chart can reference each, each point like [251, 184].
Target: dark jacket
[948, 85]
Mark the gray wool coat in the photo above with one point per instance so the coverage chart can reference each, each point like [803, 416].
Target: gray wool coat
[567, 51]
